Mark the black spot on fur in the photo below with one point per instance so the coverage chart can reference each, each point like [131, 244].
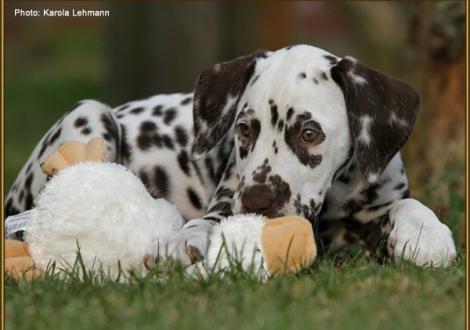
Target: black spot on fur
[28, 181]
[333, 60]
[149, 137]
[254, 80]
[274, 113]
[137, 110]
[309, 211]
[125, 149]
[255, 130]
[399, 186]
[55, 136]
[370, 192]
[315, 80]
[111, 128]
[186, 100]
[406, 194]
[275, 147]
[324, 76]
[29, 201]
[122, 108]
[161, 181]
[194, 198]
[10, 209]
[280, 125]
[148, 127]
[302, 75]
[157, 111]
[223, 192]
[80, 122]
[222, 208]
[290, 112]
[145, 179]
[86, 131]
[144, 141]
[181, 136]
[213, 218]
[183, 161]
[170, 115]
[261, 175]
[44, 146]
[243, 152]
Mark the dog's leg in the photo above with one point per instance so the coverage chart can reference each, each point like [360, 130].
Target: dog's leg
[419, 236]
[190, 244]
[87, 120]
[333, 235]
[409, 230]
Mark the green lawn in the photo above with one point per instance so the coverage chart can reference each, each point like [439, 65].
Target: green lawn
[354, 294]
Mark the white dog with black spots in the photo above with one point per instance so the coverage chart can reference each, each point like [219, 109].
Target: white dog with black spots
[292, 131]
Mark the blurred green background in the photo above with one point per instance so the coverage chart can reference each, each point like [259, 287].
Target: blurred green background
[148, 48]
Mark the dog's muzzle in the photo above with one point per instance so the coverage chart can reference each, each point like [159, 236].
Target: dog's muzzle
[259, 199]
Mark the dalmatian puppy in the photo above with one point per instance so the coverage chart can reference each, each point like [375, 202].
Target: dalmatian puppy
[292, 131]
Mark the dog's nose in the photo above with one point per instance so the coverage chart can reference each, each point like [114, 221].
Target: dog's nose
[258, 199]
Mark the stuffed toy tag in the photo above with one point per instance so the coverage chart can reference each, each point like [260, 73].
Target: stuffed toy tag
[17, 223]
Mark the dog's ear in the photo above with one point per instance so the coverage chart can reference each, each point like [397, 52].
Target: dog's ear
[217, 92]
[381, 113]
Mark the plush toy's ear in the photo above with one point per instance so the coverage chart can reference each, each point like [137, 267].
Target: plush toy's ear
[381, 113]
[216, 95]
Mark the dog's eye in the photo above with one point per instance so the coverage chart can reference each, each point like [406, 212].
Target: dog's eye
[309, 135]
[244, 130]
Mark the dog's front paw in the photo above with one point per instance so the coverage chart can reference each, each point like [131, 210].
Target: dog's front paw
[419, 236]
[186, 246]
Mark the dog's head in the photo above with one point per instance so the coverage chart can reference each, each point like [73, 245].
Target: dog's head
[299, 115]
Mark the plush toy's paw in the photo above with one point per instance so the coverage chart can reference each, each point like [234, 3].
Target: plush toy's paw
[419, 236]
[73, 152]
[18, 262]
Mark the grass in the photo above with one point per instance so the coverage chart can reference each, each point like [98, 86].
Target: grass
[47, 72]
[355, 294]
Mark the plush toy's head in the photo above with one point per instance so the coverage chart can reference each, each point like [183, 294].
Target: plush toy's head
[105, 210]
[266, 246]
